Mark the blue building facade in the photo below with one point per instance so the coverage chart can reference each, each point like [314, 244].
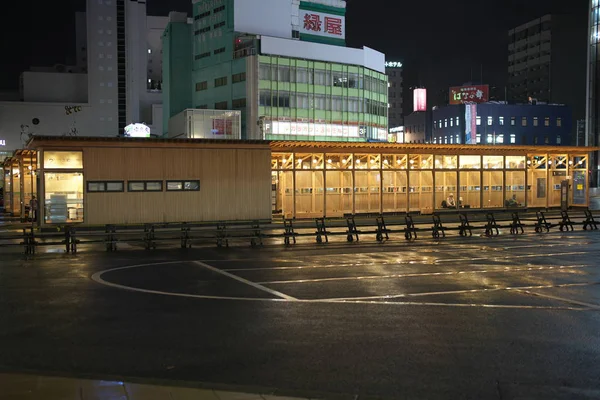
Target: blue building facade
[498, 123]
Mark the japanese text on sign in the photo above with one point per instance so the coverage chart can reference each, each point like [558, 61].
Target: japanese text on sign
[469, 94]
[320, 24]
[393, 64]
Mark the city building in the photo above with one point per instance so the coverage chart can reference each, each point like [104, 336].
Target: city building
[116, 79]
[393, 69]
[282, 63]
[417, 127]
[499, 123]
[95, 181]
[592, 117]
[546, 63]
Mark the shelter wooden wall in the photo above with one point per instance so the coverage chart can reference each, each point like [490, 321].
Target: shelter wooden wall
[235, 184]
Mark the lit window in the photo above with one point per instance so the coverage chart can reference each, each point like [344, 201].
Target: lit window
[490, 120]
[478, 120]
[513, 138]
[149, 51]
[547, 121]
[457, 123]
[500, 139]
[457, 139]
[490, 138]
[478, 140]
[523, 121]
[558, 139]
[559, 121]
[535, 121]
[513, 121]
[451, 140]
[451, 122]
[501, 121]
[445, 139]
[445, 123]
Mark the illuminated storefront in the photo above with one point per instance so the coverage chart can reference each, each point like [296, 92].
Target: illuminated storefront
[20, 182]
[332, 180]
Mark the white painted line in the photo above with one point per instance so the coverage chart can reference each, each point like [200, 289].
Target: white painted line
[465, 291]
[97, 277]
[246, 281]
[507, 258]
[563, 299]
[426, 274]
[472, 305]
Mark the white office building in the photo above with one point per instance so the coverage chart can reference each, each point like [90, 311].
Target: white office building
[115, 81]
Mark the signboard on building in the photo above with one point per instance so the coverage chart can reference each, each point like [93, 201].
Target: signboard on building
[420, 100]
[471, 123]
[393, 64]
[469, 94]
[137, 130]
[222, 126]
[322, 24]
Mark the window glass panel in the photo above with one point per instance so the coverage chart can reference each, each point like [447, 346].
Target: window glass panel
[135, 186]
[114, 186]
[154, 186]
[63, 199]
[63, 159]
[175, 185]
[191, 185]
[492, 162]
[95, 186]
[515, 162]
[473, 162]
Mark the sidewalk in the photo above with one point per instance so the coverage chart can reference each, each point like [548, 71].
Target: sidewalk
[35, 387]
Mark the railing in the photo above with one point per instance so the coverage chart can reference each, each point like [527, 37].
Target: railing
[222, 234]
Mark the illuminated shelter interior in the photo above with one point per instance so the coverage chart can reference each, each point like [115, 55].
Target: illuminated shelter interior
[20, 181]
[315, 179]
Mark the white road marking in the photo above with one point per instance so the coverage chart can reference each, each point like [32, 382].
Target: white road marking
[97, 277]
[464, 291]
[246, 281]
[515, 257]
[563, 299]
[425, 274]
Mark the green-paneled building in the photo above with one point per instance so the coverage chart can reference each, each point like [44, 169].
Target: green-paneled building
[283, 64]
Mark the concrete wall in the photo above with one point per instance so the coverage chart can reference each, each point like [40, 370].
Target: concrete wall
[53, 120]
[55, 87]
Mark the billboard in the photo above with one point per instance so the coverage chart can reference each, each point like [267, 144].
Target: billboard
[322, 24]
[471, 123]
[469, 94]
[137, 130]
[420, 100]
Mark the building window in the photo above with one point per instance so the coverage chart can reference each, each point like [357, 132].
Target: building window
[546, 139]
[222, 105]
[105, 186]
[241, 77]
[457, 119]
[513, 121]
[500, 138]
[451, 122]
[434, 124]
[457, 139]
[201, 86]
[238, 103]
[558, 121]
[218, 9]
[202, 107]
[478, 139]
[445, 123]
[523, 121]
[490, 138]
[221, 81]
[558, 139]
[203, 55]
[535, 140]
[490, 120]
[547, 121]
[144, 186]
[203, 15]
[203, 30]
[220, 24]
[513, 138]
[535, 121]
[501, 121]
[219, 51]
[478, 119]
[63, 197]
[181, 186]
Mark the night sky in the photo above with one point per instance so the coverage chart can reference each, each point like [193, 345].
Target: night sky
[441, 43]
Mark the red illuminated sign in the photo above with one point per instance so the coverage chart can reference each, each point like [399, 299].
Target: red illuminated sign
[469, 94]
[420, 100]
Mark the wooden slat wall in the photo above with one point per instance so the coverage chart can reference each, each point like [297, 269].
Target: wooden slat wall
[235, 184]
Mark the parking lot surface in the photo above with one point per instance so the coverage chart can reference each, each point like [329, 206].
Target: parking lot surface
[504, 317]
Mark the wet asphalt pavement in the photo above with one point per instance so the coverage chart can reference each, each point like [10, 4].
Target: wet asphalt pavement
[474, 318]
